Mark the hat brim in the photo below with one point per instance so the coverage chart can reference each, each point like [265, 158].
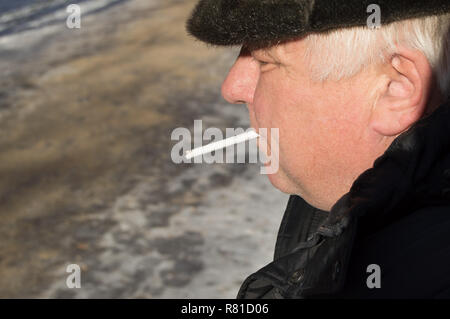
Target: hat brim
[263, 23]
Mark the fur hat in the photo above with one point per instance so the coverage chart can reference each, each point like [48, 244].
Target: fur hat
[262, 23]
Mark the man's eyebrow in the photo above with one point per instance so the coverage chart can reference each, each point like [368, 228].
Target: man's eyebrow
[264, 53]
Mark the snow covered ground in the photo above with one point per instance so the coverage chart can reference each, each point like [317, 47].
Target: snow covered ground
[85, 123]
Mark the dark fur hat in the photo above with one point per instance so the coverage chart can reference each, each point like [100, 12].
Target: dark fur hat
[262, 23]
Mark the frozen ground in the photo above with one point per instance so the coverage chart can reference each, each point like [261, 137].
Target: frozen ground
[86, 176]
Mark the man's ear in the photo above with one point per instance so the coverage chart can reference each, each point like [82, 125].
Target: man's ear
[403, 97]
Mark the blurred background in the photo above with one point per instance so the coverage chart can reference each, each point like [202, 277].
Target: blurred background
[86, 178]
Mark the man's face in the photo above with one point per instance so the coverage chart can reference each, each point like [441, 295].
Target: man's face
[324, 139]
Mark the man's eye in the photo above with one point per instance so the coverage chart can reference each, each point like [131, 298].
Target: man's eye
[263, 63]
[260, 62]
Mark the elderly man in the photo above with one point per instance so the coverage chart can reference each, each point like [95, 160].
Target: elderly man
[364, 139]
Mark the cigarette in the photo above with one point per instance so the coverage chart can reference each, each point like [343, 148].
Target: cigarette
[221, 144]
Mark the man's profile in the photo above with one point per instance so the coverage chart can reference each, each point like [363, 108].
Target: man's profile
[364, 139]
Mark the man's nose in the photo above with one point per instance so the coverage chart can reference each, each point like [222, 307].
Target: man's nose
[240, 84]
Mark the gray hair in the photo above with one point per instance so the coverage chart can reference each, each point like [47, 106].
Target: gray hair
[344, 52]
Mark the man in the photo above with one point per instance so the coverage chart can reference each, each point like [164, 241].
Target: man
[364, 139]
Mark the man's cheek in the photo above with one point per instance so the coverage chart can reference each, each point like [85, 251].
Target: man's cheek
[252, 118]
[292, 151]
[259, 120]
[264, 117]
[261, 107]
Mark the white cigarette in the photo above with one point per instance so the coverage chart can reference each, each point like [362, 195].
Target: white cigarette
[221, 144]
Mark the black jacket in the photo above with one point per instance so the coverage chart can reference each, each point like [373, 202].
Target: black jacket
[396, 215]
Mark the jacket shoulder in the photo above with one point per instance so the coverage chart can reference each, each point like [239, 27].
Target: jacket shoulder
[413, 255]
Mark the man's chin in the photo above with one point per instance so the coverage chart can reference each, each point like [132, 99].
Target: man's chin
[280, 181]
[284, 184]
